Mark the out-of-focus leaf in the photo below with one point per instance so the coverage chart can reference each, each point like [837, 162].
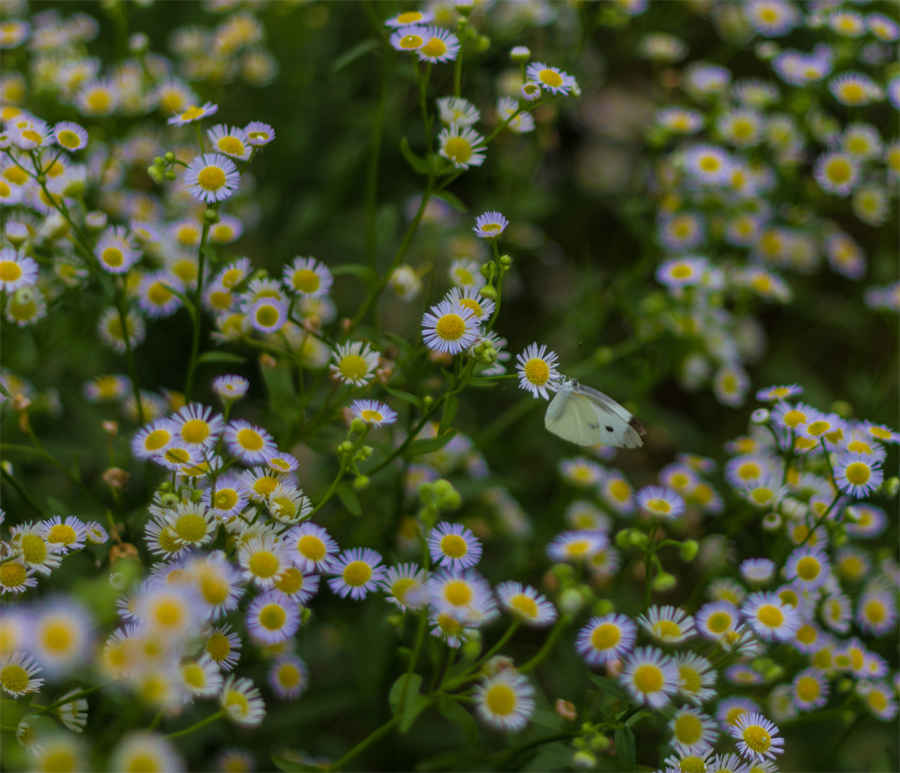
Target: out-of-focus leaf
[428, 445]
[224, 357]
[453, 712]
[349, 499]
[625, 749]
[354, 269]
[359, 50]
[453, 200]
[406, 701]
[418, 163]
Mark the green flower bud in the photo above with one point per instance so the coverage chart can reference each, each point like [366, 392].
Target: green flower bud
[584, 759]
[361, 482]
[169, 156]
[169, 175]
[358, 426]
[506, 260]
[638, 539]
[603, 607]
[211, 215]
[344, 447]
[571, 600]
[688, 550]
[664, 581]
[600, 742]
[891, 486]
[488, 291]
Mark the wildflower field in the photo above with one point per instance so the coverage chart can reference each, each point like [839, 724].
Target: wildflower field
[474, 385]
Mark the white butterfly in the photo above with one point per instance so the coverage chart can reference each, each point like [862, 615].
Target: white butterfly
[587, 417]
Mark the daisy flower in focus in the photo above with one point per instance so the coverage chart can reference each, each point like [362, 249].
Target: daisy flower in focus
[289, 677]
[354, 362]
[505, 701]
[758, 738]
[19, 674]
[770, 617]
[308, 276]
[461, 146]
[250, 444]
[373, 412]
[449, 327]
[440, 45]
[551, 79]
[454, 546]
[230, 387]
[242, 702]
[272, 617]
[193, 113]
[660, 501]
[650, 676]
[232, 141]
[668, 624]
[405, 585]
[211, 177]
[259, 133]
[355, 573]
[605, 638]
[116, 251]
[471, 299]
[410, 38]
[70, 135]
[857, 474]
[16, 270]
[526, 603]
[538, 374]
[489, 225]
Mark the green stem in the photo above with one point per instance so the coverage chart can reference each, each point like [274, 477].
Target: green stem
[21, 492]
[195, 317]
[372, 171]
[548, 646]
[329, 493]
[475, 669]
[129, 352]
[67, 699]
[197, 725]
[375, 735]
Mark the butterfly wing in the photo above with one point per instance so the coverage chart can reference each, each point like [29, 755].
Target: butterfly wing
[572, 417]
[613, 424]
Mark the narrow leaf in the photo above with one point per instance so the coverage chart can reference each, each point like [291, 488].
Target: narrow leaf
[349, 499]
[359, 50]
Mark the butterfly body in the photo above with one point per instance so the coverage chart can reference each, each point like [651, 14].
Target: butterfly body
[587, 417]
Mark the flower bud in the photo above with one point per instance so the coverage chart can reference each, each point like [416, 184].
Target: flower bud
[520, 54]
[688, 550]
[361, 482]
[584, 759]
[664, 581]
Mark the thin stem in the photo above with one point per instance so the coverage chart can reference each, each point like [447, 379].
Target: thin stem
[129, 352]
[475, 668]
[67, 699]
[366, 742]
[372, 171]
[21, 492]
[195, 317]
[197, 725]
[329, 493]
[548, 646]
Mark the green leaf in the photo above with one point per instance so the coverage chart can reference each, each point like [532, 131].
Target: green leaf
[406, 397]
[451, 404]
[419, 164]
[223, 357]
[11, 712]
[625, 751]
[359, 50]
[290, 760]
[637, 717]
[349, 499]
[483, 383]
[453, 200]
[406, 700]
[453, 712]
[428, 445]
[355, 269]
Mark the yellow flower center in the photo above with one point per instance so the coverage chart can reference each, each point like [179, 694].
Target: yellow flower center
[648, 678]
[450, 327]
[249, 439]
[264, 564]
[14, 678]
[619, 489]
[290, 581]
[272, 617]
[218, 646]
[550, 78]
[690, 679]
[688, 729]
[158, 294]
[34, 549]
[288, 675]
[231, 146]
[658, 505]
[211, 178]
[63, 534]
[839, 170]
[193, 675]
[357, 573]
[524, 605]
[757, 738]
[311, 547]
[409, 17]
[237, 703]
[770, 616]
[877, 700]
[458, 593]
[194, 431]
[10, 271]
[605, 636]
[191, 113]
[305, 280]
[99, 101]
[353, 367]
[454, 546]
[401, 587]
[367, 414]
[214, 588]
[411, 42]
[15, 175]
[68, 139]
[807, 688]
[190, 527]
[57, 637]
[808, 568]
[858, 473]
[458, 149]
[501, 699]
[667, 629]
[225, 499]
[794, 418]
[537, 371]
[874, 611]
[434, 48]
[61, 760]
[852, 92]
